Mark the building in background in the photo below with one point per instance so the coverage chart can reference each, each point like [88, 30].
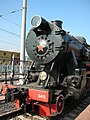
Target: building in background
[6, 56]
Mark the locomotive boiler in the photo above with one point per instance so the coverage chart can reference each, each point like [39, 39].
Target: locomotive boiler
[55, 52]
[59, 71]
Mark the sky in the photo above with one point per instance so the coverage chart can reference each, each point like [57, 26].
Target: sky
[75, 15]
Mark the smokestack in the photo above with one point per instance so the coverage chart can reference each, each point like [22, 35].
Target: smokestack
[58, 23]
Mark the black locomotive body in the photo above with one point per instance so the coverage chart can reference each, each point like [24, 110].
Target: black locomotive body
[59, 69]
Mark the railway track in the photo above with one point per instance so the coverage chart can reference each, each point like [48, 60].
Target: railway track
[72, 113]
[7, 110]
[69, 113]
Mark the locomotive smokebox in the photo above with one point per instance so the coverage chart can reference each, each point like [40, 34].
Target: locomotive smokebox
[39, 22]
[58, 23]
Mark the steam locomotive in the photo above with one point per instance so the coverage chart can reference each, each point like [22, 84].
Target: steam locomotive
[59, 71]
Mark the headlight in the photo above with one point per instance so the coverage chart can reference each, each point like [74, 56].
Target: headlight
[36, 21]
[42, 75]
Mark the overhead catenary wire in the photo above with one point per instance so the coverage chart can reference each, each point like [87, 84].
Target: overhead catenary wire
[10, 32]
[14, 11]
[11, 42]
[8, 38]
[8, 42]
[12, 22]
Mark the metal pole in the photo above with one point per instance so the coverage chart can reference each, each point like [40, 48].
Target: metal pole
[12, 73]
[23, 36]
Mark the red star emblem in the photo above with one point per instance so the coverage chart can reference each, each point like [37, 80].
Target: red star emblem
[40, 48]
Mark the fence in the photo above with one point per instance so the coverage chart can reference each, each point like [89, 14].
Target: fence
[11, 68]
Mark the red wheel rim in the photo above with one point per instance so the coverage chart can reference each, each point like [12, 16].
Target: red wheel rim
[60, 104]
